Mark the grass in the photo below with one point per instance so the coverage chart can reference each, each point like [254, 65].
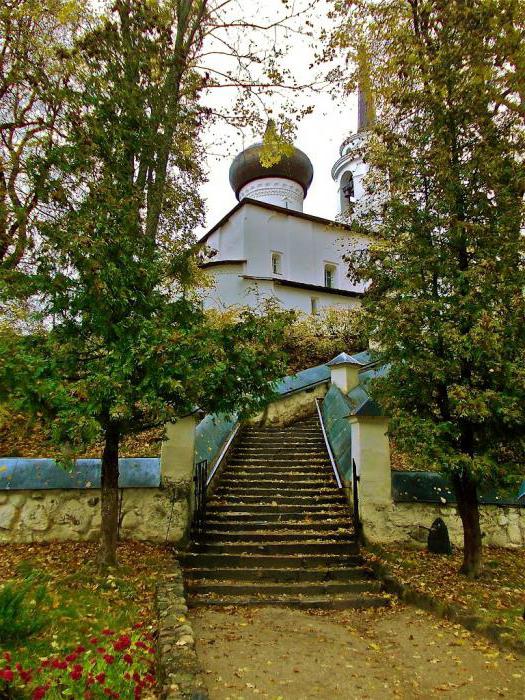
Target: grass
[497, 597]
[81, 601]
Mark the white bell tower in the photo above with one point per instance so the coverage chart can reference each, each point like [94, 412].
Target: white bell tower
[350, 169]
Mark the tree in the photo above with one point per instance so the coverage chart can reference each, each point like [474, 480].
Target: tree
[123, 344]
[33, 72]
[446, 301]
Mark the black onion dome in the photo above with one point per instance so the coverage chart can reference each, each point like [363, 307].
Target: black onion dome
[247, 167]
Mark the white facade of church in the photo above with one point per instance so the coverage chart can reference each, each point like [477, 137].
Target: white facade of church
[266, 247]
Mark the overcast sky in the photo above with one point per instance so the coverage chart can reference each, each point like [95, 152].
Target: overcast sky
[319, 135]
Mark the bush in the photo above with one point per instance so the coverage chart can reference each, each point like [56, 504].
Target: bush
[22, 612]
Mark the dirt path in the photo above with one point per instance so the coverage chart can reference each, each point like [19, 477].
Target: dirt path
[397, 653]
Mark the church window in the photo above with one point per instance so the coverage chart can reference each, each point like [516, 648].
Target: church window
[347, 191]
[329, 276]
[314, 301]
[277, 263]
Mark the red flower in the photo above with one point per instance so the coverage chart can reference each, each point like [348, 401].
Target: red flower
[80, 649]
[101, 650]
[108, 658]
[25, 676]
[127, 658]
[56, 663]
[71, 657]
[100, 678]
[140, 644]
[122, 643]
[138, 625]
[7, 656]
[76, 673]
[18, 666]
[138, 691]
[107, 632]
[108, 692]
[151, 650]
[136, 677]
[149, 678]
[45, 663]
[93, 640]
[39, 693]
[7, 675]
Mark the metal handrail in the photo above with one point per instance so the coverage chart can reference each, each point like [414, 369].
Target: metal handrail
[328, 446]
[225, 449]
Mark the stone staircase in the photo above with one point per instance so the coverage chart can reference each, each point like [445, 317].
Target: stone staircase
[278, 530]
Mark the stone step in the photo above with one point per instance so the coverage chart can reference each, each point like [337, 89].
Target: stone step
[285, 465]
[274, 498]
[279, 474]
[211, 535]
[276, 547]
[265, 481]
[213, 560]
[360, 601]
[336, 510]
[278, 518]
[299, 588]
[277, 575]
[278, 450]
[223, 492]
[240, 525]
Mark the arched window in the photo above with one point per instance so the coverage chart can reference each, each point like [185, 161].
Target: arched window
[347, 191]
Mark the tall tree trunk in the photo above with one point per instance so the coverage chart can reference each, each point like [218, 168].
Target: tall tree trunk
[467, 498]
[107, 554]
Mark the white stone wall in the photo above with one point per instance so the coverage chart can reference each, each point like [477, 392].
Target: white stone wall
[252, 234]
[74, 514]
[275, 190]
[503, 526]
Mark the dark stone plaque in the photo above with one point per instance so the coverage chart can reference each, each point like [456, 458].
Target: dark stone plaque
[438, 539]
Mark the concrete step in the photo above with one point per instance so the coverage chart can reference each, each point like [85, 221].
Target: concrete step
[278, 450]
[340, 601]
[277, 575]
[300, 588]
[214, 560]
[276, 547]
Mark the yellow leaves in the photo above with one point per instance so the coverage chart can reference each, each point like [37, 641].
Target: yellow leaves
[275, 146]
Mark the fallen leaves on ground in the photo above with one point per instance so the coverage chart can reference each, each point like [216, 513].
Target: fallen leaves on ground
[498, 596]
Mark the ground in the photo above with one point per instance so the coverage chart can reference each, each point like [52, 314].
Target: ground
[498, 597]
[399, 652]
[81, 604]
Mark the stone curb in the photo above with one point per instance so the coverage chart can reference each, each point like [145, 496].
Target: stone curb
[498, 634]
[179, 671]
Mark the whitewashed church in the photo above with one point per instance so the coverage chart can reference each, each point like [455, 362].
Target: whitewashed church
[266, 246]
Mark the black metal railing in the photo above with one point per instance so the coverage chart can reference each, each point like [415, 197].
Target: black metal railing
[355, 498]
[199, 478]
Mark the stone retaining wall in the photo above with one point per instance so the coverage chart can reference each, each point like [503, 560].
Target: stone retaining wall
[503, 526]
[179, 670]
[290, 408]
[147, 514]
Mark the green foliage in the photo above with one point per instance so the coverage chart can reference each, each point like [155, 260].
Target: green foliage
[446, 301]
[313, 340]
[23, 608]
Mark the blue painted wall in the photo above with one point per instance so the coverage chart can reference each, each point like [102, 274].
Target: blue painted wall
[335, 410]
[18, 474]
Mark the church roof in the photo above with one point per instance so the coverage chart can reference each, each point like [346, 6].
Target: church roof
[247, 167]
[273, 207]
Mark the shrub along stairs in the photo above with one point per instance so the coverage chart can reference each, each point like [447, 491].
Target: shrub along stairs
[278, 531]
